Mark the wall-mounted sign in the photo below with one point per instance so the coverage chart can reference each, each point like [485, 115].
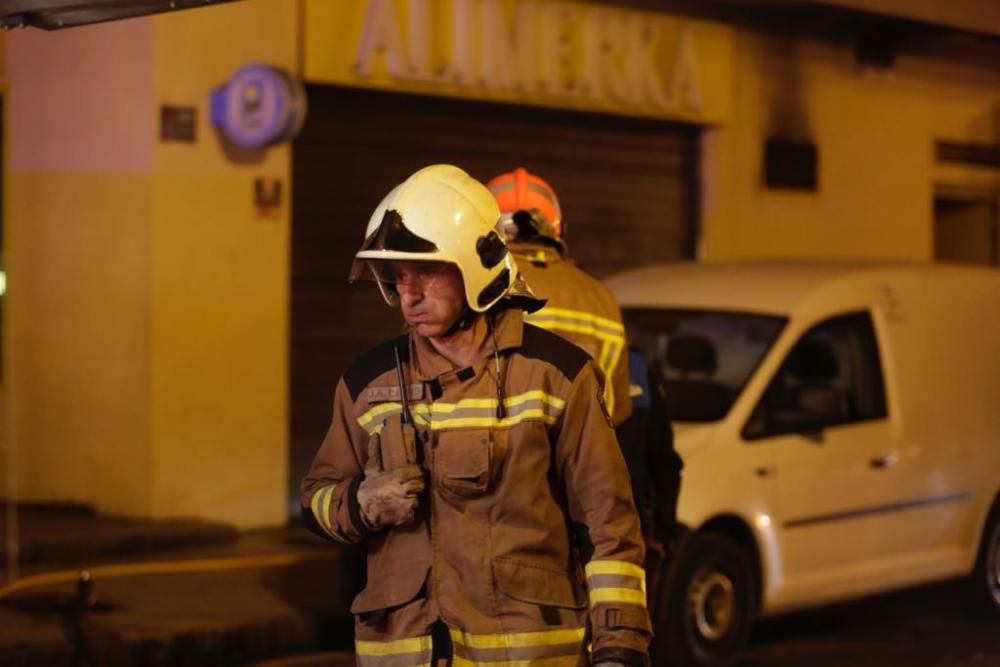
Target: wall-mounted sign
[569, 54]
[267, 197]
[178, 123]
[260, 105]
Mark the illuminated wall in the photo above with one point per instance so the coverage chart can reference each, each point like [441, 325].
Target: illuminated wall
[77, 319]
[219, 281]
[145, 326]
[875, 134]
[148, 301]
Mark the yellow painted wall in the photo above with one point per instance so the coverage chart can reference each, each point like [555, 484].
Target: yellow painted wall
[220, 279]
[147, 315]
[79, 331]
[77, 247]
[146, 323]
[875, 135]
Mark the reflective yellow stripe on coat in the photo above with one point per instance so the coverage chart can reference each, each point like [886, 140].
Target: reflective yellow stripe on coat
[546, 648]
[320, 505]
[411, 652]
[616, 582]
[609, 332]
[472, 412]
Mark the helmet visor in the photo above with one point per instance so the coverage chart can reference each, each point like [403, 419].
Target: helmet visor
[392, 236]
[407, 273]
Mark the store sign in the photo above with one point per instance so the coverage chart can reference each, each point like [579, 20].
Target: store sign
[566, 54]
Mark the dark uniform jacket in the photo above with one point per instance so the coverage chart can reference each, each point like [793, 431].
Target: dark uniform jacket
[528, 528]
[647, 441]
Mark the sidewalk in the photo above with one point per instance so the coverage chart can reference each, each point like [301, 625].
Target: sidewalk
[168, 593]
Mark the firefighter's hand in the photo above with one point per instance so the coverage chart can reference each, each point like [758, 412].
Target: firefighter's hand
[388, 497]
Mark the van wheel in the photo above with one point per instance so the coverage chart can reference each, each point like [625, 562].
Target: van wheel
[985, 582]
[706, 604]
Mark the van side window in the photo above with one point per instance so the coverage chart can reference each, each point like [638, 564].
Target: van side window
[832, 376]
[705, 357]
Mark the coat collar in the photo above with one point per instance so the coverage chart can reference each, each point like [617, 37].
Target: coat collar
[429, 364]
[535, 253]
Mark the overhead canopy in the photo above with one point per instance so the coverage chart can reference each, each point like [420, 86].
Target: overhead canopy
[56, 14]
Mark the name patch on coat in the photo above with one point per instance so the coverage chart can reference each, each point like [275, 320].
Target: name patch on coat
[391, 394]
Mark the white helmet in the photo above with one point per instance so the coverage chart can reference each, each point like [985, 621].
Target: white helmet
[440, 214]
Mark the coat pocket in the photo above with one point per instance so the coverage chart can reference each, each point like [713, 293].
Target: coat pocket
[465, 462]
[399, 561]
[390, 589]
[538, 584]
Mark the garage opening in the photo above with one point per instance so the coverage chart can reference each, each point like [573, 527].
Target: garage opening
[628, 189]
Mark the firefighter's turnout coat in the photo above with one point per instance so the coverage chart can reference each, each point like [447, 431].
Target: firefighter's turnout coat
[527, 526]
[582, 310]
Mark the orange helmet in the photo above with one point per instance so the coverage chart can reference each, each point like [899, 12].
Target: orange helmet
[520, 191]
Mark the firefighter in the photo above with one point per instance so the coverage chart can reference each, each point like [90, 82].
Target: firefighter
[583, 311]
[475, 460]
[578, 307]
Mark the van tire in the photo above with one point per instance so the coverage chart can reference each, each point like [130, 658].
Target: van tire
[706, 604]
[985, 581]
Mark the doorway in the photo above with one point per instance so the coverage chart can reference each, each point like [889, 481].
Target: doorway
[628, 188]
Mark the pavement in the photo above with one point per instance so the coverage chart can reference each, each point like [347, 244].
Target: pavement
[98, 591]
[79, 588]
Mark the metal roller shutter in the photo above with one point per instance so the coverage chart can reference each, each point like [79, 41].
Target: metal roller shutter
[628, 189]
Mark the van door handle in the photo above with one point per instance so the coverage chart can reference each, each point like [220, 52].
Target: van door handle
[882, 462]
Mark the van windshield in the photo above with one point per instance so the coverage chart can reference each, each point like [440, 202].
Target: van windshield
[703, 357]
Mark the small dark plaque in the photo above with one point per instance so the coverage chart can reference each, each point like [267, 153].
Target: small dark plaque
[178, 123]
[267, 197]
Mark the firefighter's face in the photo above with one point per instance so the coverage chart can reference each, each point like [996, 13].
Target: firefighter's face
[431, 295]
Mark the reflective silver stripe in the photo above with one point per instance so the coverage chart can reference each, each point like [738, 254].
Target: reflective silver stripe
[559, 661]
[554, 648]
[589, 323]
[543, 191]
[373, 420]
[616, 581]
[483, 413]
[610, 333]
[411, 652]
[394, 661]
[472, 412]
[320, 506]
[503, 186]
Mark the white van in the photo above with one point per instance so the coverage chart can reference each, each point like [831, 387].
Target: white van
[840, 429]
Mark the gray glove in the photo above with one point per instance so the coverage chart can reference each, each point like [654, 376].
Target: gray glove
[388, 497]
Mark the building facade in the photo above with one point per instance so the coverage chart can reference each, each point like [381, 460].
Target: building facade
[171, 339]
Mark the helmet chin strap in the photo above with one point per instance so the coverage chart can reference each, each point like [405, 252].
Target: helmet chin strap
[464, 322]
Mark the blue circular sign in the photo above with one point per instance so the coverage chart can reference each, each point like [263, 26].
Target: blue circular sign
[259, 106]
